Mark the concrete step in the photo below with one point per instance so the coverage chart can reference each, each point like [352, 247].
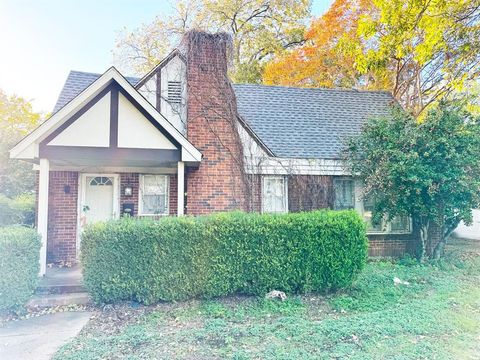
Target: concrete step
[51, 300]
[59, 289]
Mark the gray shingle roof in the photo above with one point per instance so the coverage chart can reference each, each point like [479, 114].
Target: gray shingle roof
[306, 122]
[291, 122]
[76, 82]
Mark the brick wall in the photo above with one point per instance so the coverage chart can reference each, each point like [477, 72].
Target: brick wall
[129, 179]
[217, 184]
[435, 234]
[62, 216]
[390, 246]
[255, 193]
[310, 192]
[173, 195]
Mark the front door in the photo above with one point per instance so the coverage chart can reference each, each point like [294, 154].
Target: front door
[99, 196]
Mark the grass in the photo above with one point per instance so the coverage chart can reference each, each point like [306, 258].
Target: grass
[436, 316]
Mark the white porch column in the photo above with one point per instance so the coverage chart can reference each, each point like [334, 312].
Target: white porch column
[180, 188]
[42, 222]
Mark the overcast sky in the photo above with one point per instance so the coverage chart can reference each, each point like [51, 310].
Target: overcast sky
[42, 40]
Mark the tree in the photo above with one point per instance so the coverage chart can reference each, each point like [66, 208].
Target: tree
[431, 47]
[259, 28]
[325, 59]
[17, 119]
[421, 50]
[429, 170]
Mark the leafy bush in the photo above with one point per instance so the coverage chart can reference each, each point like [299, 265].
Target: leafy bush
[221, 254]
[17, 211]
[19, 265]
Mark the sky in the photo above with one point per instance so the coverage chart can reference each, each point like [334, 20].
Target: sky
[42, 40]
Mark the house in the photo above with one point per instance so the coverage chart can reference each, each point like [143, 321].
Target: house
[471, 231]
[184, 140]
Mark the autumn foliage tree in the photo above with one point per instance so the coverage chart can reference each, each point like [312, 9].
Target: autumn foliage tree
[325, 59]
[420, 50]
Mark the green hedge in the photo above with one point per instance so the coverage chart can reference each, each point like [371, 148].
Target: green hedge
[19, 265]
[17, 211]
[180, 258]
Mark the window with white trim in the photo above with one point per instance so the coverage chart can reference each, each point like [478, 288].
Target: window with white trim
[274, 194]
[153, 195]
[344, 193]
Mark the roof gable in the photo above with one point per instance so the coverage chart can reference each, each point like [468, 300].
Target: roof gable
[29, 147]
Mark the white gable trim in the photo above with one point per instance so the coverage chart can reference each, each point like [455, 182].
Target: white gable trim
[28, 148]
[289, 166]
[174, 53]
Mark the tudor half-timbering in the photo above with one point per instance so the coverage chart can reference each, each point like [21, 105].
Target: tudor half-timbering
[183, 140]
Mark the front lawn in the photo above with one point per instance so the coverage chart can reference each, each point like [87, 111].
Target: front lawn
[435, 316]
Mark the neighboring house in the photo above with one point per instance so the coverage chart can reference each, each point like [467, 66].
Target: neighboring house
[173, 143]
[473, 230]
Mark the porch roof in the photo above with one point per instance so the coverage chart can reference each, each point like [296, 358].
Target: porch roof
[120, 128]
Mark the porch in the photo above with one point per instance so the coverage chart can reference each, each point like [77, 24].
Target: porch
[70, 198]
[81, 151]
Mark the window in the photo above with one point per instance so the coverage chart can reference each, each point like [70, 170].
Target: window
[274, 197]
[101, 181]
[368, 207]
[344, 193]
[153, 195]
[399, 224]
[174, 92]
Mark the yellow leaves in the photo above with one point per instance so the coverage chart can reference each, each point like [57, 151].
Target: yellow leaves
[16, 116]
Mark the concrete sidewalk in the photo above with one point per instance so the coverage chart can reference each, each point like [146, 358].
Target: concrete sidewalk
[40, 337]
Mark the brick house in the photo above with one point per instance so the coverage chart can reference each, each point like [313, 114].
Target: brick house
[184, 140]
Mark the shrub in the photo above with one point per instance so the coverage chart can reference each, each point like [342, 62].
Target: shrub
[17, 211]
[19, 265]
[222, 254]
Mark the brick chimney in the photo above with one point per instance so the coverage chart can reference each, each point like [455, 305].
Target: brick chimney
[218, 183]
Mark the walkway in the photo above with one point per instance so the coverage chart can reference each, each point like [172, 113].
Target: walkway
[40, 337]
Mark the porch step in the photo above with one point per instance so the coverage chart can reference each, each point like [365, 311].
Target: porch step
[59, 289]
[51, 300]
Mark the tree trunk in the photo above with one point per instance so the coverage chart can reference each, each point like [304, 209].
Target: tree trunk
[439, 249]
[424, 238]
[447, 230]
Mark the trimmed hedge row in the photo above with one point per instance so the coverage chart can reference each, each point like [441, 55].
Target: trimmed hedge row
[221, 254]
[19, 265]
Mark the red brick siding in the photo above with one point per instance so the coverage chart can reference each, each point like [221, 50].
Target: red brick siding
[129, 179]
[390, 247]
[62, 216]
[435, 234]
[255, 196]
[173, 195]
[217, 184]
[310, 192]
